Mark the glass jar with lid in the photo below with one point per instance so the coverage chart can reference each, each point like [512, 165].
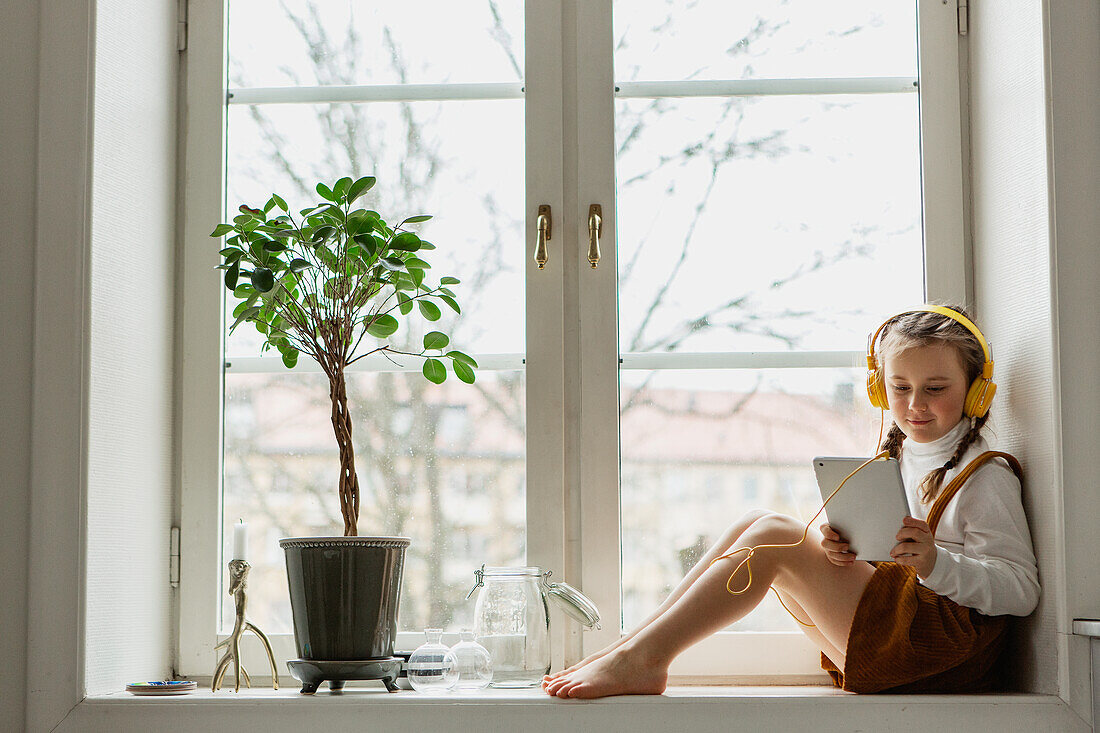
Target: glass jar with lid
[512, 620]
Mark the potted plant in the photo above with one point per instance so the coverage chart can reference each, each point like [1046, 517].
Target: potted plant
[335, 283]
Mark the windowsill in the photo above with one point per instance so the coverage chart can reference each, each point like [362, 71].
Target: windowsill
[707, 708]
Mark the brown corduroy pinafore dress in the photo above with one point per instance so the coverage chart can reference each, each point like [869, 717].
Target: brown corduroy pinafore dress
[906, 638]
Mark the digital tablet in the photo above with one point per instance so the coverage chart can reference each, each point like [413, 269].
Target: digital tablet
[868, 510]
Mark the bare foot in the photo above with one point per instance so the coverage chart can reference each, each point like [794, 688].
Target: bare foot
[586, 661]
[621, 672]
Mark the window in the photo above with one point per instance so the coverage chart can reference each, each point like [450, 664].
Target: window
[763, 201]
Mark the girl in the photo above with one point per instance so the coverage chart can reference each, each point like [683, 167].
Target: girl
[934, 619]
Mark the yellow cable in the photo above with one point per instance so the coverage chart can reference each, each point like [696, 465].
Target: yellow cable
[805, 532]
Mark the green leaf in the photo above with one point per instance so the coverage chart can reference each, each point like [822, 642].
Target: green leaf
[244, 290]
[435, 340]
[383, 326]
[326, 192]
[416, 262]
[425, 244]
[322, 233]
[221, 230]
[326, 257]
[417, 277]
[449, 281]
[463, 371]
[273, 246]
[393, 264]
[358, 223]
[429, 310]
[360, 187]
[298, 264]
[402, 283]
[341, 187]
[435, 371]
[231, 275]
[370, 242]
[279, 202]
[333, 212]
[246, 314]
[464, 358]
[263, 279]
[416, 219]
[451, 302]
[231, 254]
[290, 358]
[405, 242]
[404, 304]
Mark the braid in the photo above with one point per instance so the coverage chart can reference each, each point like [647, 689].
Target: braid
[893, 440]
[930, 485]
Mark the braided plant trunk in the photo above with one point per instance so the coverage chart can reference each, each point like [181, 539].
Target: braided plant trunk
[341, 425]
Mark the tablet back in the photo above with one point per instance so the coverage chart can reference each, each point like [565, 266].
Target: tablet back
[869, 509]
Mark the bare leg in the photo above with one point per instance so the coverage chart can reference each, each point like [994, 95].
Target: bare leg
[724, 543]
[819, 640]
[828, 593]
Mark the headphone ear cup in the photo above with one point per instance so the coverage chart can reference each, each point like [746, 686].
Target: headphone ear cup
[979, 398]
[876, 390]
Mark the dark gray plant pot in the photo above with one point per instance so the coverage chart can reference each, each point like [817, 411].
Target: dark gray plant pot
[344, 593]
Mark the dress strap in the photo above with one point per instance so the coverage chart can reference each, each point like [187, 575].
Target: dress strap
[949, 491]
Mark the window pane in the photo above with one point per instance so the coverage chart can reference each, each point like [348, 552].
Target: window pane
[312, 43]
[443, 465]
[702, 448]
[461, 162]
[766, 223]
[751, 224]
[665, 40]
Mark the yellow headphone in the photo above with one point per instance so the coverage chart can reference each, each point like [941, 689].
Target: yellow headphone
[981, 392]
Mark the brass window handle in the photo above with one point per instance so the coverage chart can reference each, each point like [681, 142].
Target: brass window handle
[595, 227]
[543, 225]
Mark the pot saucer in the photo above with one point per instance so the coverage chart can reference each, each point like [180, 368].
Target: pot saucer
[312, 672]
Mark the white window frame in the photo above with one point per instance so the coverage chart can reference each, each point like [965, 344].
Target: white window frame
[572, 362]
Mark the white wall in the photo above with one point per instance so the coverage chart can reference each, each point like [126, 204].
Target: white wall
[1010, 227]
[129, 462]
[1073, 46]
[18, 161]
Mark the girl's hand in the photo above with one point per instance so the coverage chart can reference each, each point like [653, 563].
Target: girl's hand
[915, 547]
[836, 547]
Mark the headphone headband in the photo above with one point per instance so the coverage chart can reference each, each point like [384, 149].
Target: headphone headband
[982, 389]
[954, 315]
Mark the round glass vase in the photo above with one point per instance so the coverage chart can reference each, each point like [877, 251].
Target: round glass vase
[473, 662]
[432, 667]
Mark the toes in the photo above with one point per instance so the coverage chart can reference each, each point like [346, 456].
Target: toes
[555, 685]
[566, 690]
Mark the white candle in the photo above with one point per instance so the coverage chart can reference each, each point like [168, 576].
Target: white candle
[240, 540]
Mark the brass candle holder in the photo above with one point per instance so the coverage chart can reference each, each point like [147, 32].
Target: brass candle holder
[238, 579]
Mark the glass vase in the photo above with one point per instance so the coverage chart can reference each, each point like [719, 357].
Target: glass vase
[432, 667]
[473, 662]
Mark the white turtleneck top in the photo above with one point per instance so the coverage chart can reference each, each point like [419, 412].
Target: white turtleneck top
[984, 557]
